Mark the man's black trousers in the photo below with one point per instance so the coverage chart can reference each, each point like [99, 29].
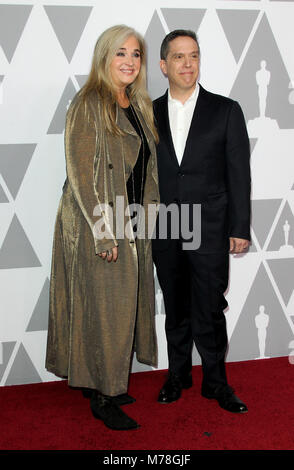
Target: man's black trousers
[193, 286]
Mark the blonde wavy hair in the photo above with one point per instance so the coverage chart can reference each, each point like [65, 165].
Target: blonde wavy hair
[100, 80]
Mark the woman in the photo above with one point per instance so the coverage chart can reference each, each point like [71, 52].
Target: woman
[102, 295]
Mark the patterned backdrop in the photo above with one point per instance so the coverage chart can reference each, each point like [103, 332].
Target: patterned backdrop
[45, 54]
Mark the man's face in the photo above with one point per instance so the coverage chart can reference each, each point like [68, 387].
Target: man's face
[182, 63]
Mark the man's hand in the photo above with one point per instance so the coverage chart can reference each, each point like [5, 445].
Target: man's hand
[238, 245]
[110, 255]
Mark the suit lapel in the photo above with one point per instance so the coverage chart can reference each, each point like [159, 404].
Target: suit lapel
[196, 127]
[162, 121]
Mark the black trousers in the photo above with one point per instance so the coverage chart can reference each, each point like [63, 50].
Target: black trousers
[193, 286]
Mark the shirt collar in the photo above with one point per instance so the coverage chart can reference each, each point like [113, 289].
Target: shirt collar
[191, 98]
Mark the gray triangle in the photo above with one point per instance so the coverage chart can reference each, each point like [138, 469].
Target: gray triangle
[183, 18]
[16, 250]
[252, 247]
[22, 370]
[157, 83]
[263, 216]
[58, 121]
[3, 197]
[283, 273]
[252, 144]
[244, 342]
[14, 162]
[68, 23]
[279, 112]
[280, 240]
[13, 19]
[81, 79]
[237, 25]
[7, 349]
[39, 318]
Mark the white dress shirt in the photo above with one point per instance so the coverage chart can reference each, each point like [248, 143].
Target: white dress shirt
[180, 117]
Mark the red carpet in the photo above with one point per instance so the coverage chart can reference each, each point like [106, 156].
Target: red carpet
[51, 416]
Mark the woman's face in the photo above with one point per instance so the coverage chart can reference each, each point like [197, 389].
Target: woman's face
[126, 64]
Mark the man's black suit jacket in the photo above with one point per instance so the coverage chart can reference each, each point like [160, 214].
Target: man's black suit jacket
[214, 172]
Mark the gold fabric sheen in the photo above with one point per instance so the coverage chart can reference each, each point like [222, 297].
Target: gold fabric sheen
[100, 311]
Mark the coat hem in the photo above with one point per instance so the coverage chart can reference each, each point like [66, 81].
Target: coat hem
[81, 385]
[147, 362]
[52, 369]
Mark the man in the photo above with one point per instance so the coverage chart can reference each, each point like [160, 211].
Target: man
[203, 158]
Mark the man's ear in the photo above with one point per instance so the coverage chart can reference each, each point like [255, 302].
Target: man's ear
[163, 68]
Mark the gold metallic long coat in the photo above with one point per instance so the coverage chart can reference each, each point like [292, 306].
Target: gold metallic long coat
[99, 311]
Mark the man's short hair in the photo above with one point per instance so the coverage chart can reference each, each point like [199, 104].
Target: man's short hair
[173, 35]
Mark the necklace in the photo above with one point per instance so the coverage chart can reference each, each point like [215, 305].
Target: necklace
[138, 204]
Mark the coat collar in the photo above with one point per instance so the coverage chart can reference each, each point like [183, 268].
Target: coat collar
[124, 124]
[122, 120]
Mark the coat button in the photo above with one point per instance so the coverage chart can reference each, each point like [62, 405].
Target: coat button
[181, 175]
[111, 203]
[110, 166]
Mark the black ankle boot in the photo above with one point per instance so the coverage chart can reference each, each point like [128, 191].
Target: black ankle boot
[87, 392]
[123, 399]
[105, 408]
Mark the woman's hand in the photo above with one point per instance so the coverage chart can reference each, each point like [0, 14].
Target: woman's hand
[110, 255]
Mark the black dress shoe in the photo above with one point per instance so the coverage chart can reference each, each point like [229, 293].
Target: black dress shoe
[226, 398]
[172, 389]
[123, 399]
[105, 408]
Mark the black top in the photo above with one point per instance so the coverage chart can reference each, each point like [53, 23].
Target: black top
[140, 168]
